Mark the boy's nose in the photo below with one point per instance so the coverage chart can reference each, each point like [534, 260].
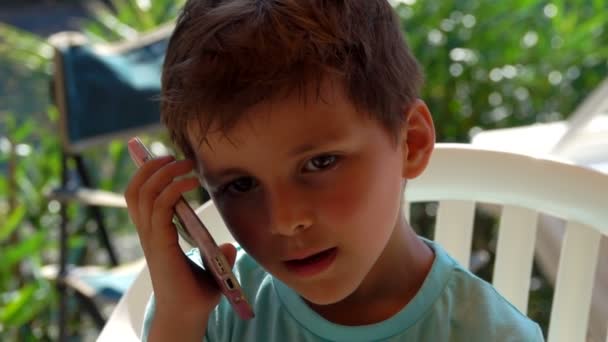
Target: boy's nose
[289, 212]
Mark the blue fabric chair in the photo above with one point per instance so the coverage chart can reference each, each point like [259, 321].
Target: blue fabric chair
[102, 92]
[107, 91]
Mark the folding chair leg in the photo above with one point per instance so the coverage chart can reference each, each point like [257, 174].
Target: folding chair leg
[63, 251]
[62, 289]
[101, 229]
[63, 310]
[90, 306]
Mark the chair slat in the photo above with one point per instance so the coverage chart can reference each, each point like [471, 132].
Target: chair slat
[454, 229]
[515, 254]
[574, 285]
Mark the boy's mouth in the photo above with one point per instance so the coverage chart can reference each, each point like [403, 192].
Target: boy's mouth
[312, 264]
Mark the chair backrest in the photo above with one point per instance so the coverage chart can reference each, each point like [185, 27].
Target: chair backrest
[459, 176]
[106, 91]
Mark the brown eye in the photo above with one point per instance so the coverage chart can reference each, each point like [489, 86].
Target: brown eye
[320, 163]
[241, 185]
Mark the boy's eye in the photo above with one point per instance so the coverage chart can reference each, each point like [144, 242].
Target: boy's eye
[240, 185]
[320, 163]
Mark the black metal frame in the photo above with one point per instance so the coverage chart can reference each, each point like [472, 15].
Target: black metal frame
[87, 302]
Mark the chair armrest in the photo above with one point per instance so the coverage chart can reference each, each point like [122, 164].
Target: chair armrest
[98, 282]
[125, 322]
[88, 196]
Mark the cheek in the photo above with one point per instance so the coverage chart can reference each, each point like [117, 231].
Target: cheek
[364, 199]
[245, 221]
[341, 203]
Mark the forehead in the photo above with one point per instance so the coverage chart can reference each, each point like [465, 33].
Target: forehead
[310, 116]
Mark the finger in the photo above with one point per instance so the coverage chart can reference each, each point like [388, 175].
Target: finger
[144, 172]
[154, 186]
[163, 230]
[229, 252]
[139, 178]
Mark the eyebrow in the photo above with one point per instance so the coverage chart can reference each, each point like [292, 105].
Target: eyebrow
[301, 149]
[325, 143]
[230, 171]
[217, 175]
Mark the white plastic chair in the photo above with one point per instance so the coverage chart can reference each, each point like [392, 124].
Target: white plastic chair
[458, 176]
[581, 139]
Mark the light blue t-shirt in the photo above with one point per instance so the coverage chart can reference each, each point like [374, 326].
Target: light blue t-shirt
[452, 305]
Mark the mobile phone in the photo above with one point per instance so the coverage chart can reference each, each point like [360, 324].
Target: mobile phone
[213, 259]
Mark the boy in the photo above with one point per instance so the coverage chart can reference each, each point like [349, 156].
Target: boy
[302, 121]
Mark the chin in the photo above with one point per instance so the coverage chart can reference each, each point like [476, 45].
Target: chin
[329, 293]
[321, 298]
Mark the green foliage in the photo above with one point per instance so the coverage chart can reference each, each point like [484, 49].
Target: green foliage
[127, 18]
[26, 298]
[499, 64]
[24, 67]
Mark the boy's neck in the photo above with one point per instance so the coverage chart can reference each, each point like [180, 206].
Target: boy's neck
[391, 284]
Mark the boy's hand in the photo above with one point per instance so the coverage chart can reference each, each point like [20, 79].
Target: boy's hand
[182, 291]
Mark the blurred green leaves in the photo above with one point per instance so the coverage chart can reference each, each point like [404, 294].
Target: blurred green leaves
[24, 69]
[126, 18]
[11, 222]
[27, 227]
[25, 50]
[499, 64]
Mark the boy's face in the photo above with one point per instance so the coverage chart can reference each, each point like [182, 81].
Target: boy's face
[311, 189]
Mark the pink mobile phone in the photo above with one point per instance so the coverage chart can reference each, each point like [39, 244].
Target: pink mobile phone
[213, 259]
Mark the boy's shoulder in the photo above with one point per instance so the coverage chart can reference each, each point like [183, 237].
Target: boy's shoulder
[475, 306]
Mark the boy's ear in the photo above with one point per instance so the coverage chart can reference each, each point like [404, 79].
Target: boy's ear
[418, 139]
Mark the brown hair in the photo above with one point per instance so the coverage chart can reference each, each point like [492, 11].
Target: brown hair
[227, 55]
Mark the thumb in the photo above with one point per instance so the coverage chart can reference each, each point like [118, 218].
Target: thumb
[229, 252]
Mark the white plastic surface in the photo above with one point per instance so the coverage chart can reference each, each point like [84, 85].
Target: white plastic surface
[575, 275]
[463, 172]
[454, 228]
[127, 318]
[515, 254]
